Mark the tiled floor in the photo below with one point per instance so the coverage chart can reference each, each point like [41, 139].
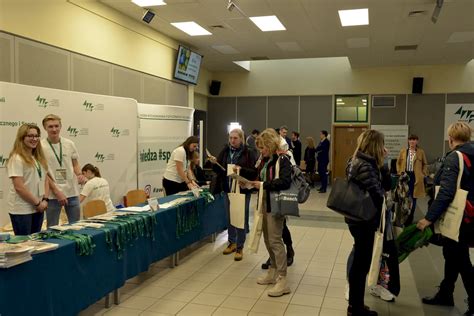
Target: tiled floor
[209, 283]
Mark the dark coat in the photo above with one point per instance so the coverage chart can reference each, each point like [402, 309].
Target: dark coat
[446, 178]
[323, 152]
[364, 171]
[296, 149]
[246, 161]
[284, 180]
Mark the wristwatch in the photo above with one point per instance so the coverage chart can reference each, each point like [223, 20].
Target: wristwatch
[45, 199]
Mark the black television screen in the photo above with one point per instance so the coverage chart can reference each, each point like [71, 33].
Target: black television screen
[188, 64]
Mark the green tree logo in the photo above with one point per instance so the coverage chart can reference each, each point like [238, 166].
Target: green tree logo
[72, 131]
[88, 106]
[99, 157]
[115, 132]
[41, 101]
[465, 115]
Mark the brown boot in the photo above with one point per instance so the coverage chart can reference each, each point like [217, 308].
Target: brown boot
[239, 255]
[230, 249]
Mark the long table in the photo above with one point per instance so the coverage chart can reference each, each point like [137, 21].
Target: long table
[62, 283]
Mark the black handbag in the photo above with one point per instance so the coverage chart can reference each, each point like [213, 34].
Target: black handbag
[348, 199]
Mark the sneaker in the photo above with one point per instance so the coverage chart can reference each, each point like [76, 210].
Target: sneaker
[238, 255]
[346, 292]
[230, 249]
[281, 287]
[439, 299]
[383, 293]
[268, 278]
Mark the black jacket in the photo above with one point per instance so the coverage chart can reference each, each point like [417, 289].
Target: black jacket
[309, 155]
[296, 149]
[247, 163]
[323, 152]
[284, 180]
[446, 178]
[364, 171]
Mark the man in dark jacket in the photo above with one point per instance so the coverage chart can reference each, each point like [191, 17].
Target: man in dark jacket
[456, 254]
[295, 147]
[322, 152]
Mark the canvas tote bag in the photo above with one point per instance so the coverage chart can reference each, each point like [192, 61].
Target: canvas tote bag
[373, 275]
[256, 232]
[237, 205]
[449, 222]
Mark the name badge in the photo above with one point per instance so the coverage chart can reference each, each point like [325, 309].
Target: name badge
[60, 175]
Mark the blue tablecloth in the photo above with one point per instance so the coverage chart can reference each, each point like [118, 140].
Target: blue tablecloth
[62, 283]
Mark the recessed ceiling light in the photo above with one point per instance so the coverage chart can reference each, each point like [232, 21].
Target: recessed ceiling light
[354, 17]
[268, 23]
[191, 28]
[148, 3]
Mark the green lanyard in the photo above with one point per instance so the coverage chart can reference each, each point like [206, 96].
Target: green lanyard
[263, 172]
[38, 169]
[60, 158]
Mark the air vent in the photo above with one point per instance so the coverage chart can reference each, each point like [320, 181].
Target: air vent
[260, 58]
[406, 47]
[413, 14]
[217, 26]
[383, 101]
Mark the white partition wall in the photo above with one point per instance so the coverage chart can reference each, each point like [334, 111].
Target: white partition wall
[162, 128]
[104, 129]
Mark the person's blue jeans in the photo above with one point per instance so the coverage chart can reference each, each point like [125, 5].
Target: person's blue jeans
[238, 235]
[73, 211]
[27, 224]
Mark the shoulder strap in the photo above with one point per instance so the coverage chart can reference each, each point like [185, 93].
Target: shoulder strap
[461, 168]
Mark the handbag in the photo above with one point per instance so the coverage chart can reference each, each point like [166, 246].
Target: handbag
[449, 222]
[348, 199]
[373, 276]
[284, 202]
[256, 232]
[236, 206]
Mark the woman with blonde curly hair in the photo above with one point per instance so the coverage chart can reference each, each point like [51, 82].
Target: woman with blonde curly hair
[27, 168]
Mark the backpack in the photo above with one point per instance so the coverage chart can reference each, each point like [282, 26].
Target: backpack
[299, 182]
[469, 210]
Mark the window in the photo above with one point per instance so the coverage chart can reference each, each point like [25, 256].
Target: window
[351, 108]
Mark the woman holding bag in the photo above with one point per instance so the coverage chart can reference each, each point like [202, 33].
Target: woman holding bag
[268, 143]
[365, 169]
[240, 159]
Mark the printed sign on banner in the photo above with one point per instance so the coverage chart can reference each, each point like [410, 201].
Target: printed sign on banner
[95, 123]
[162, 128]
[396, 138]
[462, 112]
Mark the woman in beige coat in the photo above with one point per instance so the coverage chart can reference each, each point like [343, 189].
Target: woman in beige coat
[412, 161]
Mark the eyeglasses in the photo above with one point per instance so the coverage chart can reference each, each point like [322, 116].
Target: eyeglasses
[33, 136]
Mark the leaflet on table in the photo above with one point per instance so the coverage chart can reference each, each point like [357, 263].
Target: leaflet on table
[66, 227]
[40, 246]
[145, 208]
[176, 202]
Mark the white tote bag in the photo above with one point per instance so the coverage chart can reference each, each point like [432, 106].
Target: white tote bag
[237, 206]
[256, 232]
[449, 222]
[373, 276]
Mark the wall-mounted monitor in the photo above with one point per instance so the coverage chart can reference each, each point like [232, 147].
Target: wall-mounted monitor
[188, 64]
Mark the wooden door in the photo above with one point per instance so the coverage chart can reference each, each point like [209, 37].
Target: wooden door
[344, 143]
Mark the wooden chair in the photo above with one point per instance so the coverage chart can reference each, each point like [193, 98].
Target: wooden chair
[93, 208]
[135, 197]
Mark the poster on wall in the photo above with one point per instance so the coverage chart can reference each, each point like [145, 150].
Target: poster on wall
[161, 129]
[396, 137]
[104, 129]
[459, 112]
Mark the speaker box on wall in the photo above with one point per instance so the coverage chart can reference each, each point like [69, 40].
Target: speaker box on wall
[148, 16]
[417, 85]
[215, 87]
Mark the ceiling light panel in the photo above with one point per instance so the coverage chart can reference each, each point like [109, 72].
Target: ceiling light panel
[354, 17]
[191, 28]
[148, 3]
[268, 23]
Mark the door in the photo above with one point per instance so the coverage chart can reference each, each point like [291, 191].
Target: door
[344, 143]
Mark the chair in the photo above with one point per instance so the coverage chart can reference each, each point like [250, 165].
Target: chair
[135, 197]
[93, 208]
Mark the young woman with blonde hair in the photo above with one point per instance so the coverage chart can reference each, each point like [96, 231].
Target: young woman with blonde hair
[365, 169]
[28, 194]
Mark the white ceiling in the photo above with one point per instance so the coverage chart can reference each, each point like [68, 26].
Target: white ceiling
[314, 30]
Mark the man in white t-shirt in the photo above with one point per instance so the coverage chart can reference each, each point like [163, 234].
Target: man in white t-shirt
[62, 157]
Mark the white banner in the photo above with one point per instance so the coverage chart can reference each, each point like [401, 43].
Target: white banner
[162, 128]
[460, 112]
[396, 138]
[104, 129]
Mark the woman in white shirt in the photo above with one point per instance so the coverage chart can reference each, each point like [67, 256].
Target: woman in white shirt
[96, 187]
[27, 168]
[175, 178]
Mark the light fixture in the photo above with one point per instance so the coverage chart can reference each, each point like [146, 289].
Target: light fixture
[148, 3]
[354, 17]
[191, 28]
[233, 125]
[436, 11]
[268, 23]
